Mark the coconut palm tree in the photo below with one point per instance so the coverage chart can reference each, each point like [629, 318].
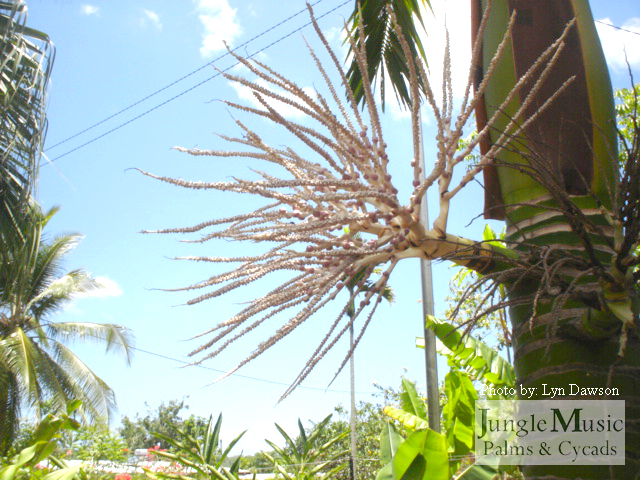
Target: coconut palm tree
[26, 61]
[36, 363]
[571, 211]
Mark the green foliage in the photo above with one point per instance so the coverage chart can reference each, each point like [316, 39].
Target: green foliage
[458, 415]
[412, 413]
[479, 360]
[310, 456]
[27, 59]
[385, 57]
[198, 453]
[97, 442]
[390, 441]
[36, 363]
[44, 441]
[425, 453]
[165, 420]
[627, 108]
[422, 456]
[369, 421]
[471, 302]
[22, 437]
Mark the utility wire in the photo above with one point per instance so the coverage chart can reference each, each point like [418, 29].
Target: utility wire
[183, 362]
[181, 93]
[617, 28]
[207, 80]
[184, 77]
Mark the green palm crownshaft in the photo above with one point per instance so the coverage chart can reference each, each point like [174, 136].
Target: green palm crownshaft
[572, 313]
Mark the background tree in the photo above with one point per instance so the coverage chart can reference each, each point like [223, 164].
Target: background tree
[27, 57]
[97, 442]
[36, 364]
[165, 419]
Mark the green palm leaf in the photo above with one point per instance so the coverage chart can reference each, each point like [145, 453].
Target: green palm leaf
[115, 338]
[385, 58]
[26, 58]
[98, 399]
[9, 400]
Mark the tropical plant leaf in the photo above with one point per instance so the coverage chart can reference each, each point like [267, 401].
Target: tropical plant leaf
[477, 358]
[479, 472]
[25, 67]
[9, 472]
[422, 456]
[409, 420]
[390, 440]
[386, 472]
[115, 338]
[458, 414]
[410, 400]
[64, 474]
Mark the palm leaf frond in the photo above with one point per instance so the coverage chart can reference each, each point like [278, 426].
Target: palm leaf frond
[385, 57]
[115, 338]
[25, 66]
[98, 399]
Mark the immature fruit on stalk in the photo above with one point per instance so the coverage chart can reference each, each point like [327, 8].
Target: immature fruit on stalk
[574, 136]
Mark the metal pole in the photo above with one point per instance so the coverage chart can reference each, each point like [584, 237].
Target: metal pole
[433, 394]
[352, 419]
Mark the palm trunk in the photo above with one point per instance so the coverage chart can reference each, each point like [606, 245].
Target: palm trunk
[554, 186]
[574, 343]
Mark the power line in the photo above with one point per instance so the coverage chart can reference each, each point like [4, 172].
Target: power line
[184, 77]
[617, 28]
[183, 362]
[118, 127]
[207, 80]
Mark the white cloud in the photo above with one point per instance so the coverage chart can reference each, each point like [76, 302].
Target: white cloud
[89, 10]
[334, 34]
[397, 112]
[287, 111]
[220, 25]
[109, 289]
[252, 10]
[616, 43]
[151, 17]
[458, 22]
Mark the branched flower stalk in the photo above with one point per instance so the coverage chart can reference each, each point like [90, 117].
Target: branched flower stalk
[335, 215]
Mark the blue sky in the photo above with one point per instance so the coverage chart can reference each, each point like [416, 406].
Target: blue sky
[111, 54]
